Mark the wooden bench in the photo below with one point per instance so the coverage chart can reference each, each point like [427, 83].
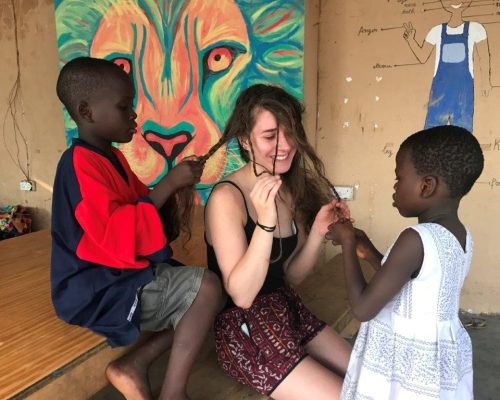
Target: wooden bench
[41, 357]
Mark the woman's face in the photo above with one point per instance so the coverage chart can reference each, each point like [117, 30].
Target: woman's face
[264, 136]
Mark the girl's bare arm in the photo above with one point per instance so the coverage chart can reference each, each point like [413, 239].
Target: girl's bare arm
[367, 299]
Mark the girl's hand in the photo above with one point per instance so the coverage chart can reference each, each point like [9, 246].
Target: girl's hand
[341, 233]
[364, 247]
[262, 196]
[187, 173]
[331, 213]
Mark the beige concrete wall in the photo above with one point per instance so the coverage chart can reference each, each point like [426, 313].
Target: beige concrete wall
[366, 111]
[37, 110]
[361, 154]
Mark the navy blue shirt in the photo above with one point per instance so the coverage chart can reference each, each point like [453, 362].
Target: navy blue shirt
[105, 235]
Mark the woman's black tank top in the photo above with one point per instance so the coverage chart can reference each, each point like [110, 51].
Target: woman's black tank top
[275, 277]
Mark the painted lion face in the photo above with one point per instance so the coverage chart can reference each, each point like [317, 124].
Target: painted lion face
[188, 60]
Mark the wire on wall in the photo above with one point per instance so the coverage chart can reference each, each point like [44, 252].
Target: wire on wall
[21, 144]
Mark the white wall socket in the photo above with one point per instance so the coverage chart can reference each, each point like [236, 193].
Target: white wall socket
[345, 192]
[28, 186]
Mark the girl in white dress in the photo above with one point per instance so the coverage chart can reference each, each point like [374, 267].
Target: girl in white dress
[412, 344]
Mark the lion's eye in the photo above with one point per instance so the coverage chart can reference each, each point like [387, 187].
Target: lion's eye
[123, 63]
[219, 59]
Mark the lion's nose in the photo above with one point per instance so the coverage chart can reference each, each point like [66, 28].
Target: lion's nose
[169, 142]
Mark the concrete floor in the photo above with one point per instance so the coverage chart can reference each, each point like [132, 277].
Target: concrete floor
[325, 294]
[486, 353]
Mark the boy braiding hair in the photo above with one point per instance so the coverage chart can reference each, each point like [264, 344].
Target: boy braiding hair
[412, 343]
[111, 267]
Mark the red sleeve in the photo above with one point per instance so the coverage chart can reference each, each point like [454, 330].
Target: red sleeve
[141, 188]
[121, 228]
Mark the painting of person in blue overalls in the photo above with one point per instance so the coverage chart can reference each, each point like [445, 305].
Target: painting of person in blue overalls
[451, 99]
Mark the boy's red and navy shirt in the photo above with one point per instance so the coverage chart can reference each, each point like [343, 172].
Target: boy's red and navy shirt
[106, 233]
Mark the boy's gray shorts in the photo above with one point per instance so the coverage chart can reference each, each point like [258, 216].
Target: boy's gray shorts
[165, 299]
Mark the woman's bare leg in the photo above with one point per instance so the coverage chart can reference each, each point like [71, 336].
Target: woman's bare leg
[309, 380]
[319, 376]
[331, 350]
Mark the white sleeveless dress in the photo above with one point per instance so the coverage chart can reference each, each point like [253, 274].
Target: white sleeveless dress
[416, 347]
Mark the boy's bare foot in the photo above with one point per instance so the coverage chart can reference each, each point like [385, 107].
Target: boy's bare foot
[130, 379]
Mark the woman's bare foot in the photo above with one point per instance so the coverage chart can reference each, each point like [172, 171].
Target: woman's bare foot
[130, 379]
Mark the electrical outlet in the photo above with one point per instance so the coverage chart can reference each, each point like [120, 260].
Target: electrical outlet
[27, 186]
[345, 192]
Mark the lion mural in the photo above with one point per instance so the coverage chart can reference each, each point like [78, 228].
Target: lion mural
[188, 59]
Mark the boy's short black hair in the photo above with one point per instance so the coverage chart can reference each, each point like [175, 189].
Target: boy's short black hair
[80, 78]
[450, 152]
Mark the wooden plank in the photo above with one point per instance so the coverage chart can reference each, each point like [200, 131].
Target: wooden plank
[33, 341]
[35, 346]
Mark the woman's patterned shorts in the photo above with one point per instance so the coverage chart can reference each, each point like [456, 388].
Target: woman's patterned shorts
[261, 345]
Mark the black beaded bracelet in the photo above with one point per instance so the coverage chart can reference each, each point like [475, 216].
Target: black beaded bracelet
[266, 228]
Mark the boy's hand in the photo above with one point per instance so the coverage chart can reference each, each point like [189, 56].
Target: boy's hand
[187, 173]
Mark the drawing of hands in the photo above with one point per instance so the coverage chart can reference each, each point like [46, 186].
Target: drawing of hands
[409, 32]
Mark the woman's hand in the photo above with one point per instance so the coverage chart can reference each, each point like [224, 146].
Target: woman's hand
[262, 196]
[331, 213]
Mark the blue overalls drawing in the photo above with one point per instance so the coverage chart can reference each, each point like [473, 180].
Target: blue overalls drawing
[452, 94]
